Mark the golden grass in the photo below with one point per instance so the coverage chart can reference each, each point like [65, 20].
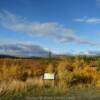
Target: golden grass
[18, 74]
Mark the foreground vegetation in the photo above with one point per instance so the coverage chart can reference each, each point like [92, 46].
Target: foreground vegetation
[76, 77]
[41, 93]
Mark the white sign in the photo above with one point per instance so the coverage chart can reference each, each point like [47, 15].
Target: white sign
[49, 76]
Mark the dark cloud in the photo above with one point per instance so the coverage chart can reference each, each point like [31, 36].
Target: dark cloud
[23, 50]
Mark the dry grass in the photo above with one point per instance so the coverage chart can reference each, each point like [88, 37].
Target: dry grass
[24, 76]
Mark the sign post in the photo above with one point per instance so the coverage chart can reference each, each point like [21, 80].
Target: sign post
[49, 77]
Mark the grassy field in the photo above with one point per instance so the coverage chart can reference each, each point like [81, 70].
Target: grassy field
[77, 79]
[36, 93]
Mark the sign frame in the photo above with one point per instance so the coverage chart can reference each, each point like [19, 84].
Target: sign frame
[49, 76]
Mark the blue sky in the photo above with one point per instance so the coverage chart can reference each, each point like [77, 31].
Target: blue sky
[62, 26]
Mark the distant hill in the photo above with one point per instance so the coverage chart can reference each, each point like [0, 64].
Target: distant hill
[22, 57]
[7, 56]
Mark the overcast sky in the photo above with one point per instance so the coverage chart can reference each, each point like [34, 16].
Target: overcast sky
[61, 26]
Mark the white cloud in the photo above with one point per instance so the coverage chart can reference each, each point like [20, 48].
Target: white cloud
[92, 20]
[90, 52]
[52, 30]
[80, 19]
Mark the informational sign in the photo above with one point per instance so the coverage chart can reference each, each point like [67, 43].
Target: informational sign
[49, 76]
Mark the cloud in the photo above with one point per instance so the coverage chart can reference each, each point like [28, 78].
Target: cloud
[97, 53]
[21, 49]
[29, 50]
[80, 19]
[51, 30]
[92, 20]
[90, 52]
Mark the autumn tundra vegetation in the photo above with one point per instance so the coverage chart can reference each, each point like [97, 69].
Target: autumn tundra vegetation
[24, 77]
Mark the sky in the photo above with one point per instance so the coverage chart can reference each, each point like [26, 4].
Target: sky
[60, 26]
